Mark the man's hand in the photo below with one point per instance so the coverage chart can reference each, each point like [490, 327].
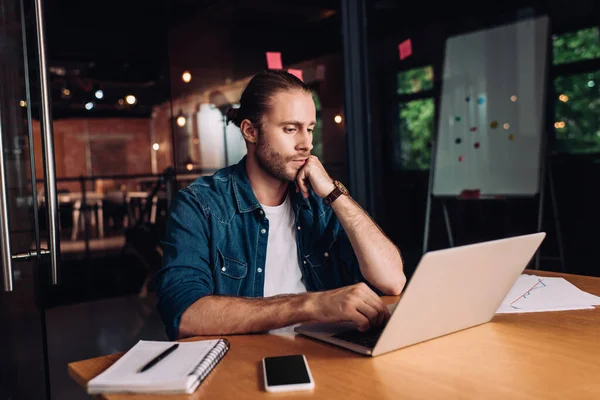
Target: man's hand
[314, 173]
[356, 303]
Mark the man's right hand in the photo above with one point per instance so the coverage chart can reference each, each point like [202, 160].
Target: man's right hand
[356, 303]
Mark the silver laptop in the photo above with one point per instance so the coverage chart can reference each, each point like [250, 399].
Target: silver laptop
[451, 290]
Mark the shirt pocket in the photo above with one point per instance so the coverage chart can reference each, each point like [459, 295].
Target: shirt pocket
[321, 263]
[229, 273]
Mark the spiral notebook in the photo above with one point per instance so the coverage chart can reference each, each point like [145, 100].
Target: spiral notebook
[181, 371]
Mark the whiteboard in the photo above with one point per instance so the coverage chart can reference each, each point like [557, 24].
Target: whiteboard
[491, 120]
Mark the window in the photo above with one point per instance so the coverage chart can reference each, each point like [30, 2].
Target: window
[577, 112]
[415, 130]
[411, 143]
[318, 129]
[576, 56]
[415, 80]
[576, 46]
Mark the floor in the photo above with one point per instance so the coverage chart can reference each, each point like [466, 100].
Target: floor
[96, 328]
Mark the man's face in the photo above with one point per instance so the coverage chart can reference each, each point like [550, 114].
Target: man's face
[285, 138]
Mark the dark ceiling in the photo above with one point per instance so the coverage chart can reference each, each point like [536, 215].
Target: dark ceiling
[121, 46]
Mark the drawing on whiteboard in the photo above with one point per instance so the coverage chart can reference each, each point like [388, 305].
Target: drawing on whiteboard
[540, 284]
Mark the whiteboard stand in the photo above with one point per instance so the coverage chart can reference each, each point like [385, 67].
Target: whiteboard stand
[561, 257]
[546, 167]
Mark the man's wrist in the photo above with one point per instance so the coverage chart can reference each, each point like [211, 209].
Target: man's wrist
[329, 191]
[308, 305]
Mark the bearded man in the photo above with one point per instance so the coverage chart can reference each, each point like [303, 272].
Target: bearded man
[273, 241]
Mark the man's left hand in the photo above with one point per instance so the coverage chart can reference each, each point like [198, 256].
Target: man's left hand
[314, 173]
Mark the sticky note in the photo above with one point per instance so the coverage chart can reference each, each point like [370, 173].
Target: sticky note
[494, 124]
[296, 72]
[274, 60]
[405, 49]
[470, 194]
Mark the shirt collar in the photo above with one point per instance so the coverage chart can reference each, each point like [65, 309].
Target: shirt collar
[245, 199]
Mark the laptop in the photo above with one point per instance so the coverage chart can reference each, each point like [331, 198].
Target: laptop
[451, 290]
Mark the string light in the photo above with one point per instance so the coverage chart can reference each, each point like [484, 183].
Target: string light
[156, 146]
[186, 76]
[338, 119]
[181, 121]
[130, 99]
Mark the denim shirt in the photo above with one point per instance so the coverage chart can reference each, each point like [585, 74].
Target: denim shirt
[216, 244]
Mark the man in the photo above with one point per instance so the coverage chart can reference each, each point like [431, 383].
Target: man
[272, 241]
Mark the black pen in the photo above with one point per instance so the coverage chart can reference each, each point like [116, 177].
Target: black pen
[159, 357]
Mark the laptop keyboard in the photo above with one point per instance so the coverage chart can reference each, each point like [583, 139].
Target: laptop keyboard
[367, 338]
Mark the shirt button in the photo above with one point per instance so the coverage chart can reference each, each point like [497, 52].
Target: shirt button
[263, 231]
[260, 212]
[326, 254]
[259, 270]
[299, 228]
[304, 261]
[223, 269]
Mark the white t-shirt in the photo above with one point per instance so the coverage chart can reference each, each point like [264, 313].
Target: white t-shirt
[282, 271]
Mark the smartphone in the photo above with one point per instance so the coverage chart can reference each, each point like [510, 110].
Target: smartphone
[287, 373]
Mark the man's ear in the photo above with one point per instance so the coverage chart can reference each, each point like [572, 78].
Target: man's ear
[249, 132]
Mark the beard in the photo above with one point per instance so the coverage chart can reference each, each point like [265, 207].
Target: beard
[274, 162]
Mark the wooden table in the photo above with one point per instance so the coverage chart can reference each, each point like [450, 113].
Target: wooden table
[550, 355]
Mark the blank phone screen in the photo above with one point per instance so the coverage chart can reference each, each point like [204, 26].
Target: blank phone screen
[286, 370]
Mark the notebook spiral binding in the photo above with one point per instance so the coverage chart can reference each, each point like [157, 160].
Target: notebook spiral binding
[211, 360]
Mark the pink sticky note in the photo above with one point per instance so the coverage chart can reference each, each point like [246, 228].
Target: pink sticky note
[274, 60]
[297, 73]
[405, 49]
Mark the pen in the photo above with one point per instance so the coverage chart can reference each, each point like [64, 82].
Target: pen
[159, 357]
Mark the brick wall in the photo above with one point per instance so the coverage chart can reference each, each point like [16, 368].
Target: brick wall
[116, 146]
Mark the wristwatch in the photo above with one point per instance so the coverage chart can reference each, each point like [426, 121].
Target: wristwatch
[338, 191]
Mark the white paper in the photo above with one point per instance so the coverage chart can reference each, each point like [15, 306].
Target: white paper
[532, 293]
[285, 331]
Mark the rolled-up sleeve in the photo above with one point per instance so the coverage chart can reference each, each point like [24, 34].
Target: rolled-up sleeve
[185, 275]
[350, 264]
